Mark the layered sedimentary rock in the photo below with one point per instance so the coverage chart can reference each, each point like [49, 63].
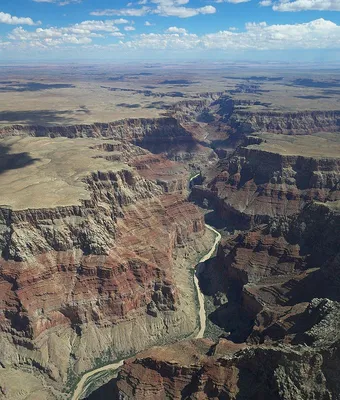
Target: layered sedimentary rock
[170, 175]
[256, 184]
[98, 274]
[160, 135]
[275, 284]
[236, 117]
[304, 122]
[283, 272]
[203, 369]
[92, 278]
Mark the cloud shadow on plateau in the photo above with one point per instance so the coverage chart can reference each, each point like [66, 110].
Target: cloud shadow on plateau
[33, 86]
[37, 117]
[14, 161]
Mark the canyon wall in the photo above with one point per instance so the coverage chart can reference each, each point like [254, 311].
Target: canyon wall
[88, 284]
[303, 122]
[275, 279]
[254, 185]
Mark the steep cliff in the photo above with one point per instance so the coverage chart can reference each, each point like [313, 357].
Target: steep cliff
[274, 284]
[203, 369]
[92, 282]
[292, 352]
[304, 122]
[257, 183]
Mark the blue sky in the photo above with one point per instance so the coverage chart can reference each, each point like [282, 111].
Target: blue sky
[283, 30]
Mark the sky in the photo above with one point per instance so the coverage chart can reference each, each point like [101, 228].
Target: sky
[170, 30]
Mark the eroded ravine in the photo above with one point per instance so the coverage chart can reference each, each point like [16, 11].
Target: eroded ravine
[82, 385]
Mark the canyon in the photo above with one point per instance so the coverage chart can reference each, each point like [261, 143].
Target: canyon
[274, 281]
[100, 233]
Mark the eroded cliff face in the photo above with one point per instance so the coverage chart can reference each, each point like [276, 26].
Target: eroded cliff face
[125, 296]
[111, 276]
[304, 122]
[95, 282]
[166, 135]
[207, 370]
[236, 118]
[89, 227]
[274, 282]
[253, 185]
[283, 274]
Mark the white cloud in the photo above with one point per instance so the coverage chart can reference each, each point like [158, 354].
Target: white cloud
[183, 12]
[6, 18]
[125, 12]
[316, 34]
[81, 33]
[129, 28]
[117, 34]
[232, 1]
[164, 8]
[59, 2]
[303, 5]
[266, 3]
[174, 29]
[147, 23]
[120, 21]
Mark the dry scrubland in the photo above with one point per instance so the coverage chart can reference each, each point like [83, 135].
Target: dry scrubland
[74, 94]
[46, 172]
[316, 146]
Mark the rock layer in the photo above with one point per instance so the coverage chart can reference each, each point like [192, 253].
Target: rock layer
[254, 185]
[103, 278]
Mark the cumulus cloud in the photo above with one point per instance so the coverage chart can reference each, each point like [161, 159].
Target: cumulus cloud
[183, 12]
[59, 2]
[304, 5]
[317, 34]
[117, 34]
[257, 36]
[125, 12]
[232, 1]
[265, 3]
[81, 33]
[164, 8]
[129, 28]
[6, 18]
[174, 29]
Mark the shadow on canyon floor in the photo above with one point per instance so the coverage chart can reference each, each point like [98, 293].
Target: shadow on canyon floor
[108, 391]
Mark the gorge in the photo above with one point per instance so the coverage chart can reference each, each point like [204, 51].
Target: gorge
[99, 239]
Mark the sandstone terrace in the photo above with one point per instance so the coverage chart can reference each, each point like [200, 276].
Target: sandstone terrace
[323, 145]
[52, 174]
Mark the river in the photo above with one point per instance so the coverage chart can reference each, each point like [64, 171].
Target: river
[81, 387]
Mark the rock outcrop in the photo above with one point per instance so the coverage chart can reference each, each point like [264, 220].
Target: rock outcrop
[304, 122]
[255, 185]
[101, 279]
[206, 370]
[110, 274]
[275, 283]
[283, 272]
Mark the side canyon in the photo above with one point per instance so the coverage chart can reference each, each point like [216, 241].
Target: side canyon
[100, 236]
